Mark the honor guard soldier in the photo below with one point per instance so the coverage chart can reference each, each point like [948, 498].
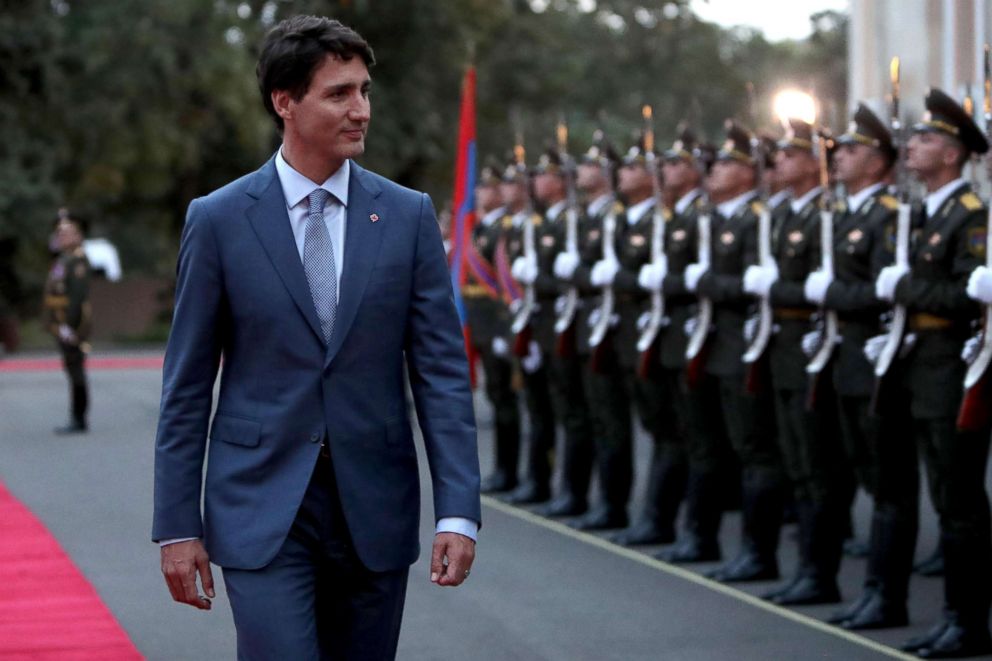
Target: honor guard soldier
[594, 180]
[809, 438]
[619, 381]
[949, 247]
[565, 367]
[748, 414]
[515, 274]
[884, 463]
[682, 168]
[68, 315]
[487, 318]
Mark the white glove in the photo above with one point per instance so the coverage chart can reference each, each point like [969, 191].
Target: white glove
[811, 342]
[524, 270]
[604, 272]
[652, 275]
[969, 352]
[874, 346]
[66, 334]
[533, 360]
[693, 272]
[816, 287]
[690, 326]
[758, 280]
[888, 278]
[501, 348]
[565, 265]
[980, 285]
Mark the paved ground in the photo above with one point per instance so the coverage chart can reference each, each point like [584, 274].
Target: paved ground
[539, 590]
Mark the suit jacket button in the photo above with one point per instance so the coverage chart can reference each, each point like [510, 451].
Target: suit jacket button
[314, 438]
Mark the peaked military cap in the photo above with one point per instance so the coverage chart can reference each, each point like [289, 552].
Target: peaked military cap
[866, 128]
[601, 152]
[798, 135]
[705, 155]
[491, 173]
[737, 146]
[684, 146]
[637, 154]
[548, 163]
[769, 147]
[514, 172]
[944, 115]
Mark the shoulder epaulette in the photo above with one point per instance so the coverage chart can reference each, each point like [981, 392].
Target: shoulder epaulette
[536, 219]
[888, 201]
[618, 207]
[757, 207]
[507, 222]
[667, 214]
[970, 201]
[840, 206]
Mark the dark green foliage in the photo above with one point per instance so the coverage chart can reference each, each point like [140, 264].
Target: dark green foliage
[127, 109]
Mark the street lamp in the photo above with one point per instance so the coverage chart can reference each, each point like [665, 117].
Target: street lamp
[794, 104]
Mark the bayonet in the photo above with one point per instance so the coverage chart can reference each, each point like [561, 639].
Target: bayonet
[656, 315]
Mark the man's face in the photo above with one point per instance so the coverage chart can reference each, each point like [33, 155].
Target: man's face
[852, 163]
[794, 166]
[729, 177]
[68, 236]
[548, 188]
[634, 180]
[928, 152]
[678, 175]
[486, 198]
[512, 194]
[330, 121]
[589, 176]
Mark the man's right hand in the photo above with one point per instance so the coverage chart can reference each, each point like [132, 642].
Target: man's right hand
[181, 562]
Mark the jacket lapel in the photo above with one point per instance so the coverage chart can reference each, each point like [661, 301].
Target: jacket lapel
[270, 220]
[361, 247]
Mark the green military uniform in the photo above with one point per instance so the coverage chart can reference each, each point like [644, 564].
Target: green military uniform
[565, 364]
[67, 308]
[748, 416]
[875, 441]
[488, 319]
[950, 246]
[536, 486]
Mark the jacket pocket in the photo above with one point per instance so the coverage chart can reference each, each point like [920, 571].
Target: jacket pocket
[235, 430]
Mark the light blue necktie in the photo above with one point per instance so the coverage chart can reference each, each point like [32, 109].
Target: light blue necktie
[318, 262]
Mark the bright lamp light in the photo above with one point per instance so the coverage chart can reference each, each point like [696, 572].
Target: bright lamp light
[793, 104]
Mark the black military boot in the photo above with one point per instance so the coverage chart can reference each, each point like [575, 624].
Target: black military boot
[825, 542]
[577, 465]
[762, 514]
[704, 510]
[74, 426]
[933, 564]
[530, 492]
[666, 488]
[890, 562]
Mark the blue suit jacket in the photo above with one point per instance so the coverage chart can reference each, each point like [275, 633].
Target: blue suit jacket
[242, 295]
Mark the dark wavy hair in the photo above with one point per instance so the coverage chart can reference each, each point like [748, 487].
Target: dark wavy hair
[294, 49]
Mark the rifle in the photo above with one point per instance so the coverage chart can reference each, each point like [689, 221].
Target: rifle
[656, 317]
[694, 351]
[830, 333]
[567, 304]
[527, 304]
[897, 327]
[601, 318]
[762, 335]
[974, 412]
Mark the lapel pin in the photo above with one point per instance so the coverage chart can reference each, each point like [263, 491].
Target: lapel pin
[374, 217]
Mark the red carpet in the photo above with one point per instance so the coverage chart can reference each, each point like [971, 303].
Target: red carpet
[47, 608]
[97, 363]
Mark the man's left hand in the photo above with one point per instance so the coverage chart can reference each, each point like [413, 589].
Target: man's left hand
[459, 551]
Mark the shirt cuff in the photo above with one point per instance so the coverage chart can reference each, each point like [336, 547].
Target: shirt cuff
[457, 524]
[166, 542]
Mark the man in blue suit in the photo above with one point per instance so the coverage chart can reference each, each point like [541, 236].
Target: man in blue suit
[313, 279]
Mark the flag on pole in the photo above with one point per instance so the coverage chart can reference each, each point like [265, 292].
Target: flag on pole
[463, 213]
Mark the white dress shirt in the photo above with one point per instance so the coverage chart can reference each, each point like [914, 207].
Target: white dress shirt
[636, 212]
[493, 216]
[555, 209]
[855, 201]
[799, 203]
[730, 207]
[686, 200]
[296, 188]
[597, 205]
[937, 198]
